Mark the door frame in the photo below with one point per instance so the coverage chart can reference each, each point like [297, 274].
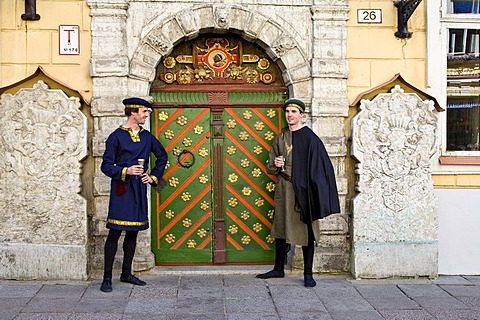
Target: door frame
[216, 98]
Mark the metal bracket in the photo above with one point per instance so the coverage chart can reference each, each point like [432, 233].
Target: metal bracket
[405, 9]
[30, 11]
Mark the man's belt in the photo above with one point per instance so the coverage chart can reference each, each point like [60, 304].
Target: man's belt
[285, 176]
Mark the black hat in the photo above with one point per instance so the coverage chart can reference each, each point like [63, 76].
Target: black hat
[136, 103]
[294, 103]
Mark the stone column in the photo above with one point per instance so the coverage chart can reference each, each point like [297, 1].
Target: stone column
[109, 71]
[328, 111]
[395, 213]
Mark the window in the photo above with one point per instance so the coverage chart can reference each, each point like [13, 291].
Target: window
[463, 6]
[463, 89]
[459, 24]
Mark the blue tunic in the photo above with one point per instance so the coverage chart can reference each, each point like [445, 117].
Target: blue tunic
[128, 207]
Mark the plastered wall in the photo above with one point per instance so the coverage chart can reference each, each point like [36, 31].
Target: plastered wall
[25, 45]
[375, 55]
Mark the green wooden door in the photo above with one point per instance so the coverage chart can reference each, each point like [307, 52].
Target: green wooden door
[248, 189]
[217, 205]
[182, 211]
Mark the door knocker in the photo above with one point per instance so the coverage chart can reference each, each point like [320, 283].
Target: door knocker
[183, 163]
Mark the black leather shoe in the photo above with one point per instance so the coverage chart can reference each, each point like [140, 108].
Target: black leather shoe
[132, 279]
[106, 285]
[271, 274]
[309, 281]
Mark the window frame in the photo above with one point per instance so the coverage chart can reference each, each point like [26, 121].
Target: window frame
[438, 23]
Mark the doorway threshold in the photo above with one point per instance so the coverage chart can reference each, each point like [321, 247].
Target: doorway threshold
[210, 270]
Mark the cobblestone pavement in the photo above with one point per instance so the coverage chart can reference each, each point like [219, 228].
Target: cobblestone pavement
[241, 296]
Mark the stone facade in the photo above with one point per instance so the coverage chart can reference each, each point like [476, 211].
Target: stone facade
[122, 43]
[44, 218]
[130, 38]
[395, 213]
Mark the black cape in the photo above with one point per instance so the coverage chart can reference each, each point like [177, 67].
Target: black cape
[313, 177]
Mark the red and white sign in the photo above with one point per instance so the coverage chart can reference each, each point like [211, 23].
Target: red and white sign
[68, 40]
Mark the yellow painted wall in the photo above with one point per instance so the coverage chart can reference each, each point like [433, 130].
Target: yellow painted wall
[375, 55]
[456, 181]
[25, 45]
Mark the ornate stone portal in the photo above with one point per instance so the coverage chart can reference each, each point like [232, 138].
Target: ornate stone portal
[131, 38]
[395, 213]
[44, 220]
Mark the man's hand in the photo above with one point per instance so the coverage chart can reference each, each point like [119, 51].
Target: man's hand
[135, 170]
[146, 178]
[279, 161]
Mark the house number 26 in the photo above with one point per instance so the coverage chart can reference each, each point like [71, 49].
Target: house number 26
[369, 16]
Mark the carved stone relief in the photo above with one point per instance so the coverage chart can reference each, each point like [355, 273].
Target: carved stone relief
[188, 21]
[222, 17]
[42, 143]
[157, 40]
[283, 44]
[394, 139]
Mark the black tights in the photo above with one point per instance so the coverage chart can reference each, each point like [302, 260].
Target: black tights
[111, 245]
[308, 252]
[281, 249]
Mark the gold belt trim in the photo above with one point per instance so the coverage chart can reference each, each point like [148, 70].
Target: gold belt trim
[127, 223]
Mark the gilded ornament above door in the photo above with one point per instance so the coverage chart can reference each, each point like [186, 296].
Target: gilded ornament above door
[226, 60]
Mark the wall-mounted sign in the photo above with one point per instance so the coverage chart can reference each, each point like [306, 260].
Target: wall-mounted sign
[68, 40]
[369, 16]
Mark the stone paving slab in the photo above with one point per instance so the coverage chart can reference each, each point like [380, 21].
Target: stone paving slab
[244, 297]
[49, 305]
[358, 315]
[450, 303]
[395, 303]
[452, 280]
[463, 291]
[61, 291]
[8, 314]
[347, 304]
[406, 315]
[427, 290]
[88, 305]
[383, 291]
[473, 280]
[16, 289]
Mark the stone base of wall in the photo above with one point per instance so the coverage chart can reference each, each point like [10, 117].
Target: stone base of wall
[43, 261]
[395, 259]
[143, 263]
[323, 262]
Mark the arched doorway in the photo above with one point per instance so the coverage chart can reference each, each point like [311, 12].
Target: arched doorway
[217, 109]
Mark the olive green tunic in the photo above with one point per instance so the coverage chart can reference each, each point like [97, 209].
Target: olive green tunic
[286, 220]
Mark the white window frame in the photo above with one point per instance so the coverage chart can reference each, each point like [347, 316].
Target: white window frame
[438, 23]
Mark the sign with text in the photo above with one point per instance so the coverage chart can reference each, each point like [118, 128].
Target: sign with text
[369, 16]
[69, 40]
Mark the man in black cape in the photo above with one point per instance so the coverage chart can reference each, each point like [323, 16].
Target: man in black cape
[306, 190]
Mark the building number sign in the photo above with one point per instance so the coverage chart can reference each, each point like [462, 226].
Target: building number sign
[69, 40]
[369, 16]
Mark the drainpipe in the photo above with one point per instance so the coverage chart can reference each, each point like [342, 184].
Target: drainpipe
[30, 10]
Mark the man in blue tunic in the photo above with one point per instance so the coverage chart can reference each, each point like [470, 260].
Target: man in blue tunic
[125, 161]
